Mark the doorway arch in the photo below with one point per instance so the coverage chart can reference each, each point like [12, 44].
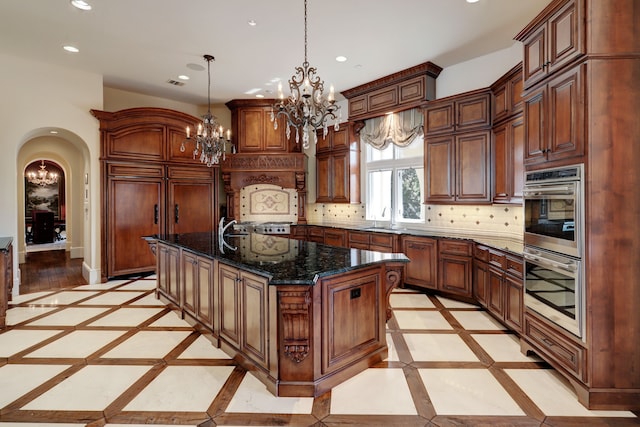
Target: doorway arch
[72, 154]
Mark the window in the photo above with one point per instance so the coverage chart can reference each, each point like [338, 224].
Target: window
[395, 182]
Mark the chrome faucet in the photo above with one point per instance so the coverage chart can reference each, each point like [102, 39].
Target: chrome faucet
[221, 230]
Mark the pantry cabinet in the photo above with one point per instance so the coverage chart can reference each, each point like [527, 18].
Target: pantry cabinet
[149, 186]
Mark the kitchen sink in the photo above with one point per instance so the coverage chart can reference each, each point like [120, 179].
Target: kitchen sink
[384, 228]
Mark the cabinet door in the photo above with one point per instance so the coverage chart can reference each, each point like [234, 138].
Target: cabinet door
[422, 269]
[566, 36]
[189, 282]
[455, 274]
[439, 169]
[169, 272]
[495, 304]
[473, 112]
[480, 282]
[135, 209]
[439, 119]
[228, 281]
[534, 131]
[508, 160]
[254, 304]
[205, 293]
[359, 240]
[513, 303]
[473, 167]
[340, 177]
[535, 56]
[335, 238]
[323, 178]
[566, 114]
[190, 206]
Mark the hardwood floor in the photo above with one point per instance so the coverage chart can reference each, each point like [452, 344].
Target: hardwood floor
[50, 270]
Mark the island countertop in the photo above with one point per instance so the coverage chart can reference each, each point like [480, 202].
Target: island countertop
[282, 260]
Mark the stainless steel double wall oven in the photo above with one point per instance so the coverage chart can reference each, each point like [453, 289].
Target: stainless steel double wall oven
[554, 245]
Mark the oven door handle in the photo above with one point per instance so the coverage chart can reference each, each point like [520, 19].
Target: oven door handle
[571, 266]
[564, 190]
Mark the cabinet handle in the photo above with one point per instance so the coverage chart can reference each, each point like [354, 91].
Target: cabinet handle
[155, 214]
[238, 279]
[176, 212]
[548, 342]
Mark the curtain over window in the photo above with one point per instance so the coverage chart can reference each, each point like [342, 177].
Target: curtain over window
[397, 128]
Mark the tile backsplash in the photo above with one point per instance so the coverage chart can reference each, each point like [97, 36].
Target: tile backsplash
[488, 220]
[268, 203]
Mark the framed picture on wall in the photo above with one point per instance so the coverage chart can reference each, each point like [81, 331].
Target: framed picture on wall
[42, 198]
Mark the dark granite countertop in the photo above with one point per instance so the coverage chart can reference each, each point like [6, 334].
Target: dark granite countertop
[504, 243]
[4, 243]
[282, 260]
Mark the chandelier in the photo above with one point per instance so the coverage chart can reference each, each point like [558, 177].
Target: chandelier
[42, 177]
[307, 106]
[210, 144]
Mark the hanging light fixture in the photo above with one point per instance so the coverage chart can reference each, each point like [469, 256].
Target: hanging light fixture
[210, 144]
[42, 177]
[307, 106]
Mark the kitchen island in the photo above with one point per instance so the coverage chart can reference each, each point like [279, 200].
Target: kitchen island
[301, 316]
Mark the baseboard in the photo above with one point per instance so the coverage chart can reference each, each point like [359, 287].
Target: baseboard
[92, 276]
[76, 252]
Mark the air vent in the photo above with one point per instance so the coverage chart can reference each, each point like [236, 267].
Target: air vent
[175, 82]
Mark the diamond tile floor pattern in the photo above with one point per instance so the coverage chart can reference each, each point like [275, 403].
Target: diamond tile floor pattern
[113, 355]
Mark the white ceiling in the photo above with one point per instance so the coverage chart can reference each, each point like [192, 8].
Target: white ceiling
[137, 45]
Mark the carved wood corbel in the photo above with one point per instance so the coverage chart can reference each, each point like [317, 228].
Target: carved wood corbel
[392, 279]
[296, 317]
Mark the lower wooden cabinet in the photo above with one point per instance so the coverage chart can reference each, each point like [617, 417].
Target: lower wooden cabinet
[498, 285]
[244, 300]
[198, 287]
[422, 270]
[168, 268]
[335, 237]
[455, 267]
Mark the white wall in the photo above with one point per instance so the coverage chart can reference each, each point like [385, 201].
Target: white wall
[477, 73]
[37, 97]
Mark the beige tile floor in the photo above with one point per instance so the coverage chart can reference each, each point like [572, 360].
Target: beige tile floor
[112, 355]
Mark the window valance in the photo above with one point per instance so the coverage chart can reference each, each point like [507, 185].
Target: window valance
[397, 128]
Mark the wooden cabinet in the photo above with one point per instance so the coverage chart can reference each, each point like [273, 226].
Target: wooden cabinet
[455, 267]
[149, 186]
[335, 237]
[458, 149]
[554, 127]
[254, 131]
[198, 288]
[553, 43]
[422, 270]
[459, 113]
[244, 320]
[507, 95]
[498, 285]
[6, 277]
[374, 241]
[168, 260]
[508, 154]
[457, 168]
[315, 233]
[403, 90]
[338, 166]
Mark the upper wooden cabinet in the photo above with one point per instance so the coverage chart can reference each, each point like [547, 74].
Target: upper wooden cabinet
[555, 119]
[399, 91]
[554, 41]
[254, 131]
[507, 95]
[338, 165]
[459, 113]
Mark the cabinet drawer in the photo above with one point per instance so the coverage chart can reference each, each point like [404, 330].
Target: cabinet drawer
[135, 170]
[552, 343]
[481, 253]
[355, 237]
[498, 259]
[514, 266]
[382, 240]
[455, 247]
[176, 172]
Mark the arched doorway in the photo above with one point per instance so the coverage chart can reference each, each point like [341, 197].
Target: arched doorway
[63, 152]
[45, 206]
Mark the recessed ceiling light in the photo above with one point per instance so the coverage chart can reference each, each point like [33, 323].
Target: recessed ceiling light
[252, 23]
[53, 132]
[253, 91]
[183, 77]
[259, 95]
[472, 1]
[72, 49]
[341, 58]
[195, 67]
[80, 4]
